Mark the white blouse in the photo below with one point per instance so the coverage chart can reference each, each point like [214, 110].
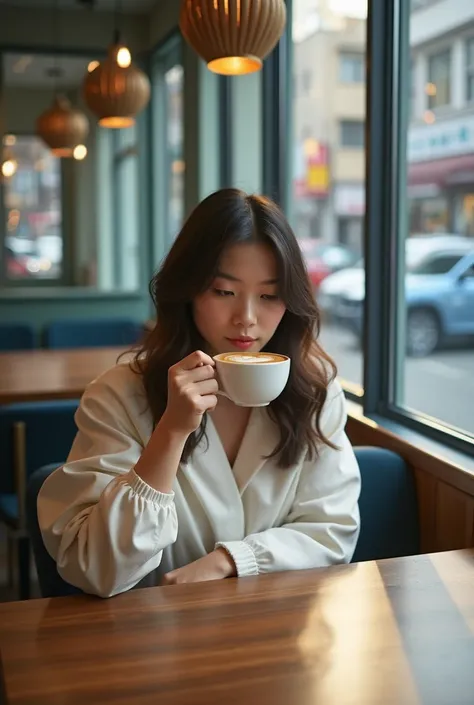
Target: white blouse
[109, 531]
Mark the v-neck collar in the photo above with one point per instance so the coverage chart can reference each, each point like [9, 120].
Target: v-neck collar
[259, 440]
[218, 486]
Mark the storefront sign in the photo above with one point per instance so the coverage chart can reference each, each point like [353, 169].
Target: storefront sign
[440, 140]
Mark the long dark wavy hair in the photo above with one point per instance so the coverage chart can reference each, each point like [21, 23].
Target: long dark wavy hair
[225, 218]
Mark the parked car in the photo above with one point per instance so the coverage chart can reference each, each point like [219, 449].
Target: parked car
[439, 292]
[323, 259]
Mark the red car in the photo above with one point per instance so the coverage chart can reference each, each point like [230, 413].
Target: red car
[323, 259]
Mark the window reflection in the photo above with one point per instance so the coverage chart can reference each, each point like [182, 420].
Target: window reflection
[33, 243]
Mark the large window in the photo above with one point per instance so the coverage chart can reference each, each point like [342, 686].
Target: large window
[434, 301]
[327, 154]
[439, 79]
[33, 245]
[168, 138]
[174, 148]
[125, 212]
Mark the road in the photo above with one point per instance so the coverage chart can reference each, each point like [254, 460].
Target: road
[441, 385]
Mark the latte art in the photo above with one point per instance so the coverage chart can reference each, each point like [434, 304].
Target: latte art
[251, 358]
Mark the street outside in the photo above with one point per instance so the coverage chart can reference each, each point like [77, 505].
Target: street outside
[441, 385]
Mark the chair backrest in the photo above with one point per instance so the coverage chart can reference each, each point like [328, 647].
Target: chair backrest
[50, 582]
[16, 336]
[388, 506]
[93, 333]
[50, 430]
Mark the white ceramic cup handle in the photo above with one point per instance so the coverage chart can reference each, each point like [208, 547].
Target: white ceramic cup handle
[219, 392]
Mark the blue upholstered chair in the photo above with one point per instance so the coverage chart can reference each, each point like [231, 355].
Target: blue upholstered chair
[16, 336]
[388, 507]
[50, 582]
[92, 333]
[32, 434]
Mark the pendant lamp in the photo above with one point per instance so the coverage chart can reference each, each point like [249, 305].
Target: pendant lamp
[116, 90]
[233, 36]
[62, 127]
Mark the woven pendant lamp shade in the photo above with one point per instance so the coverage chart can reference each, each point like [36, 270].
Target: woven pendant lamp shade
[116, 94]
[233, 36]
[62, 127]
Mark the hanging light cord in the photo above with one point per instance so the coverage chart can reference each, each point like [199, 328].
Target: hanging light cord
[55, 24]
[117, 21]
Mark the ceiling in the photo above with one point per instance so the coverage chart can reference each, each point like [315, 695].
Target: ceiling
[127, 6]
[31, 70]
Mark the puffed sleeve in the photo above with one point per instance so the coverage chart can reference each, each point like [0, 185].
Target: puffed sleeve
[103, 525]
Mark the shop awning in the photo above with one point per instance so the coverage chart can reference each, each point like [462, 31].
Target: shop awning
[443, 172]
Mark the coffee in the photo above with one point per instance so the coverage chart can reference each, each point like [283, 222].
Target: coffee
[255, 358]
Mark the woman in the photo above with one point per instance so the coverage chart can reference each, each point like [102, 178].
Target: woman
[168, 482]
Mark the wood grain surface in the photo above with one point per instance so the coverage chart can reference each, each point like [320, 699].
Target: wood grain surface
[394, 632]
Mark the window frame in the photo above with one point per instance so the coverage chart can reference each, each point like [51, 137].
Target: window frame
[387, 129]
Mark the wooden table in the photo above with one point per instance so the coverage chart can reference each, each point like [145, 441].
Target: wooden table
[51, 374]
[395, 632]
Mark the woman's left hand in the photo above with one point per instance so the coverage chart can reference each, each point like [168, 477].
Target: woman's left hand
[215, 566]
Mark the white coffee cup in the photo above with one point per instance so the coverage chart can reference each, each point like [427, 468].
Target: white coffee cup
[252, 379]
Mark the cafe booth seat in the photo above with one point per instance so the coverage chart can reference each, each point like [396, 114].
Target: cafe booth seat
[16, 337]
[92, 333]
[388, 507]
[32, 434]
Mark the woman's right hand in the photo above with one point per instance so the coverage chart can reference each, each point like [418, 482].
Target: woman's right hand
[192, 389]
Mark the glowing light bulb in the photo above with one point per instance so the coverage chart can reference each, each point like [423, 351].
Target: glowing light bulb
[124, 58]
[9, 167]
[80, 152]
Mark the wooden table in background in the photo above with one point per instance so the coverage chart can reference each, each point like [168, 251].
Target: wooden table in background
[36, 375]
[394, 632]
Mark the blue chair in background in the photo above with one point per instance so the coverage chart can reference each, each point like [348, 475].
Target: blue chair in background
[50, 582]
[92, 333]
[388, 506]
[32, 434]
[16, 336]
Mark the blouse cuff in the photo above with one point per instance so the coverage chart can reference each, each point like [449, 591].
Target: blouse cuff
[145, 491]
[243, 556]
